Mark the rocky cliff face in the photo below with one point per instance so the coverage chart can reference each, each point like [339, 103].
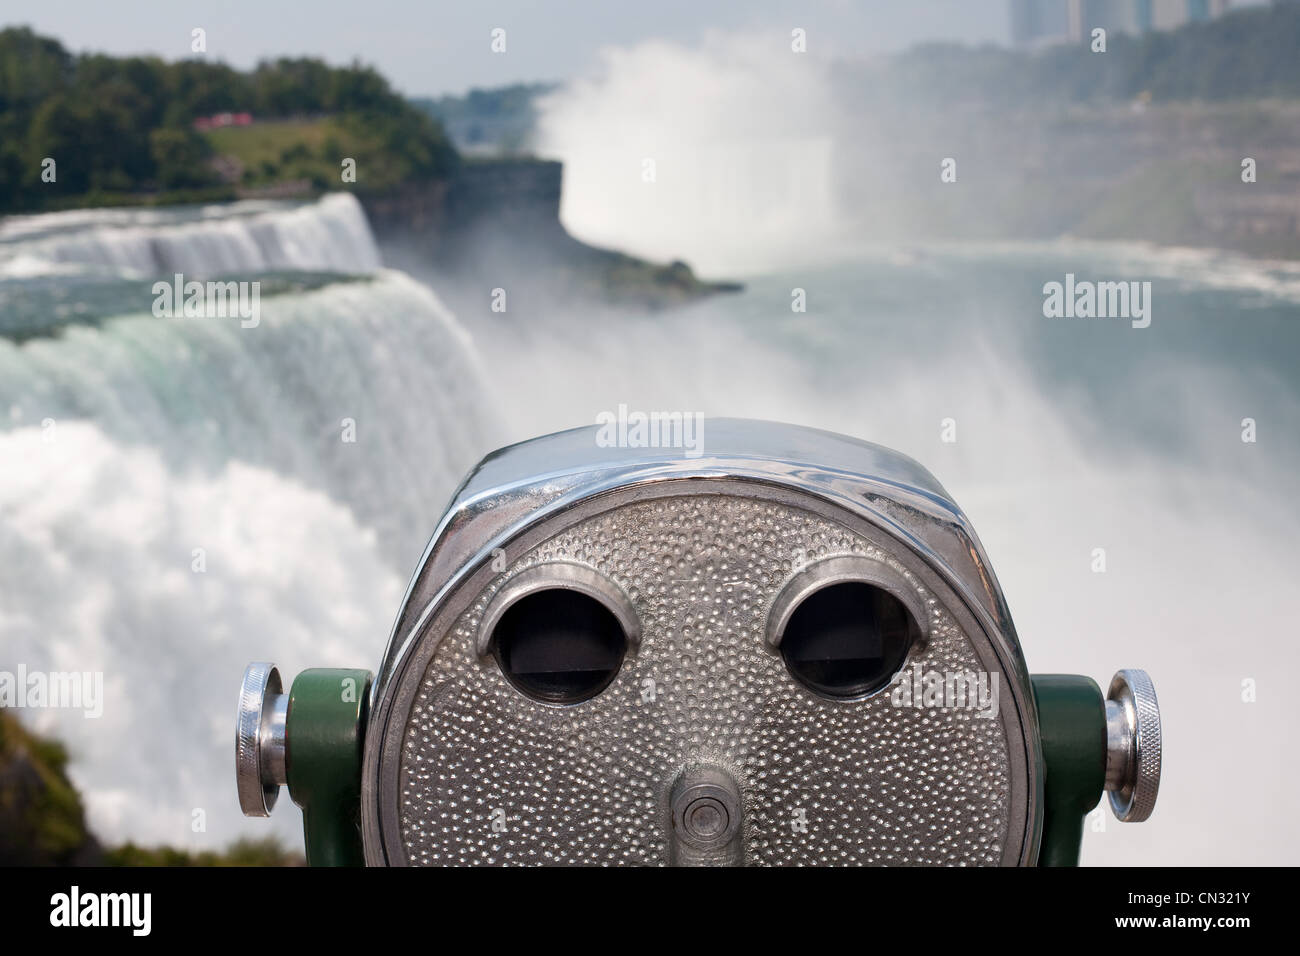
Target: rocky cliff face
[41, 818]
[1164, 173]
[496, 225]
[43, 823]
[503, 194]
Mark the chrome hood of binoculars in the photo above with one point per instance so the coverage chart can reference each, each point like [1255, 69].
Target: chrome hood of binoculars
[666, 532]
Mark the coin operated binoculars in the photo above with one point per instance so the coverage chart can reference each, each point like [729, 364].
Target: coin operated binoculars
[789, 649]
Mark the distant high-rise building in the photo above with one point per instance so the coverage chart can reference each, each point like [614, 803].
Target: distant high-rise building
[1035, 22]
[1040, 22]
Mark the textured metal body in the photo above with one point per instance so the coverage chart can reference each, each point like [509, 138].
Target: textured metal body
[461, 768]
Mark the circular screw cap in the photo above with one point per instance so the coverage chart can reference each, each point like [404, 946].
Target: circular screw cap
[1133, 745]
[705, 807]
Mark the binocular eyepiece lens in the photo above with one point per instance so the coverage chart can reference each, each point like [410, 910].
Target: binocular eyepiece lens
[559, 646]
[848, 640]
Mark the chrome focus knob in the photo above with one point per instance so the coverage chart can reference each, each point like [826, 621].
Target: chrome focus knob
[1133, 745]
[260, 739]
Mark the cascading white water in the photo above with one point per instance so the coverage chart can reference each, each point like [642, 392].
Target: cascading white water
[380, 352]
[167, 582]
[179, 496]
[329, 236]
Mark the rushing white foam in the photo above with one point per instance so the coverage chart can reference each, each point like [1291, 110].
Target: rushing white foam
[736, 135]
[34, 225]
[181, 496]
[1182, 266]
[330, 235]
[382, 353]
[131, 445]
[169, 581]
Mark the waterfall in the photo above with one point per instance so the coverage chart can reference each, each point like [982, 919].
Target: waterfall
[381, 353]
[179, 496]
[330, 235]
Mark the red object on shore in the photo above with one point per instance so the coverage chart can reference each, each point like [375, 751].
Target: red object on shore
[223, 119]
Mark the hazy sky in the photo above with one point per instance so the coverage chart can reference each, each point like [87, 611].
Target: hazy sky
[439, 47]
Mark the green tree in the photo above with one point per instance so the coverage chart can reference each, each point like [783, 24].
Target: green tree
[124, 125]
[180, 157]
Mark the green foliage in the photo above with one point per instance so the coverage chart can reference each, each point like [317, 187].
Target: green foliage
[42, 821]
[124, 126]
[41, 817]
[267, 852]
[180, 158]
[387, 150]
[32, 69]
